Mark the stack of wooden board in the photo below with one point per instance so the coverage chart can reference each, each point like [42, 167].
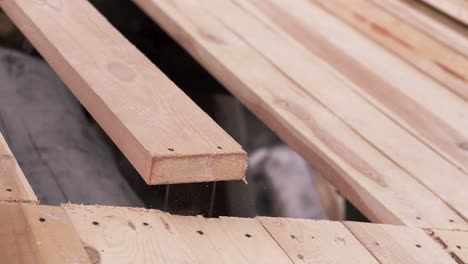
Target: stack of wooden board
[376, 104]
[391, 136]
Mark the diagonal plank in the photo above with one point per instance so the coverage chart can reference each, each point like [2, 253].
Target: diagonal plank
[379, 188]
[308, 241]
[128, 235]
[38, 234]
[398, 244]
[434, 24]
[454, 242]
[351, 102]
[13, 183]
[162, 132]
[457, 9]
[422, 51]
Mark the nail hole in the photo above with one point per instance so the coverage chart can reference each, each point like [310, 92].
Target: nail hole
[200, 232]
[418, 246]
[95, 223]
[293, 236]
[248, 235]
[219, 147]
[9, 190]
[459, 247]
[42, 219]
[145, 224]
[300, 256]
[170, 149]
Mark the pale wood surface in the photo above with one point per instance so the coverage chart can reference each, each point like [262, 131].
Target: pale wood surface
[13, 183]
[432, 23]
[253, 241]
[456, 243]
[136, 235]
[128, 235]
[207, 240]
[38, 234]
[405, 97]
[161, 131]
[457, 9]
[315, 110]
[398, 244]
[228, 240]
[427, 54]
[308, 241]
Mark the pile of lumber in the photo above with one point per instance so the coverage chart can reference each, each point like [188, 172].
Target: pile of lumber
[372, 93]
[377, 105]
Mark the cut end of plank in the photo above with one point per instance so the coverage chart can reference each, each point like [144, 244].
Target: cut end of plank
[198, 168]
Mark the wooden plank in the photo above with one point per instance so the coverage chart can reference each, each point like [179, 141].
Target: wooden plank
[38, 234]
[386, 130]
[13, 184]
[253, 241]
[208, 241]
[308, 241]
[379, 188]
[229, 240]
[457, 9]
[422, 51]
[128, 235]
[398, 244]
[454, 242]
[430, 22]
[161, 131]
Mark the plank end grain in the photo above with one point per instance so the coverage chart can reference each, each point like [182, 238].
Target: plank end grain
[198, 168]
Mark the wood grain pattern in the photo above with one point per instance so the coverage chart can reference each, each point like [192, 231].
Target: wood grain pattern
[374, 183]
[434, 24]
[456, 243]
[38, 234]
[253, 241]
[311, 74]
[355, 103]
[161, 131]
[128, 235]
[208, 241]
[308, 241]
[398, 244]
[13, 183]
[457, 9]
[427, 54]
